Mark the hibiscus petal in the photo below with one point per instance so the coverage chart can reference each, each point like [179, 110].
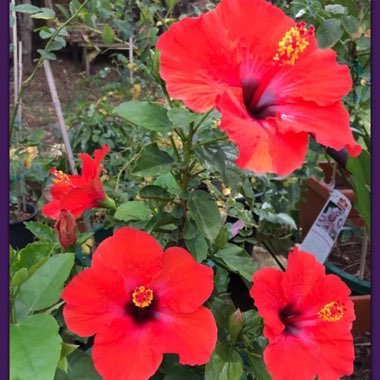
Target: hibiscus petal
[269, 299]
[199, 59]
[93, 298]
[90, 166]
[192, 336]
[330, 125]
[262, 148]
[315, 77]
[131, 252]
[77, 201]
[304, 274]
[183, 285]
[334, 344]
[52, 209]
[124, 350]
[291, 359]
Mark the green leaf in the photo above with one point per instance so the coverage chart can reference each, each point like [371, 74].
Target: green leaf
[66, 350]
[152, 161]
[181, 117]
[159, 220]
[44, 288]
[258, 367]
[32, 254]
[27, 8]
[350, 24]
[363, 43]
[132, 210]
[80, 367]
[19, 277]
[45, 14]
[329, 33]
[41, 231]
[336, 9]
[360, 167]
[47, 55]
[253, 324]
[63, 10]
[198, 247]
[108, 34]
[35, 347]
[148, 115]
[205, 213]
[225, 364]
[156, 193]
[221, 279]
[168, 182]
[237, 260]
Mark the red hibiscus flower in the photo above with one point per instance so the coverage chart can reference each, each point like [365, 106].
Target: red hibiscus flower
[77, 193]
[141, 302]
[307, 320]
[267, 77]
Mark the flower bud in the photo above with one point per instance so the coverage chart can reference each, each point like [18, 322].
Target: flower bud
[235, 323]
[66, 228]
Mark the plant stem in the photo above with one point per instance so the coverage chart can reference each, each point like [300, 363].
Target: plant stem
[28, 80]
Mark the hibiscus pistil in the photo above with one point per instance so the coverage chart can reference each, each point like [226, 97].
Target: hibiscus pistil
[293, 44]
[142, 296]
[332, 312]
[60, 176]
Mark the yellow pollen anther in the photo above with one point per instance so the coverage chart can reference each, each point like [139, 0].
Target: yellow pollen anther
[60, 177]
[142, 296]
[293, 44]
[332, 312]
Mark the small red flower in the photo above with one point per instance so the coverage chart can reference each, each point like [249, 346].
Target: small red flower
[307, 320]
[77, 193]
[141, 302]
[66, 228]
[267, 77]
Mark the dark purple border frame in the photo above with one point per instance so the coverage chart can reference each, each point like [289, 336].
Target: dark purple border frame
[4, 189]
[375, 151]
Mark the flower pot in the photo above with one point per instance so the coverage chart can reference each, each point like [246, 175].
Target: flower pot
[362, 306]
[19, 235]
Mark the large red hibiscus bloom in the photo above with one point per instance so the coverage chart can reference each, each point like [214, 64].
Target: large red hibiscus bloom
[307, 320]
[267, 77]
[141, 302]
[77, 193]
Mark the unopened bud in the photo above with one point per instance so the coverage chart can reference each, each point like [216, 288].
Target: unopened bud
[235, 324]
[66, 228]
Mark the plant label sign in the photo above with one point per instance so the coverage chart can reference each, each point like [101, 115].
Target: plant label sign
[325, 230]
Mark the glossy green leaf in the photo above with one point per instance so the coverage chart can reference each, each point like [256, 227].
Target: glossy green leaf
[198, 247]
[360, 167]
[35, 347]
[237, 260]
[225, 364]
[108, 34]
[44, 14]
[27, 8]
[132, 210]
[155, 193]
[181, 117]
[152, 161]
[329, 33]
[148, 115]
[350, 24]
[41, 231]
[44, 288]
[80, 367]
[205, 213]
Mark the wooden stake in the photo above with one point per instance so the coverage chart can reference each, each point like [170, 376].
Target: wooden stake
[131, 60]
[58, 110]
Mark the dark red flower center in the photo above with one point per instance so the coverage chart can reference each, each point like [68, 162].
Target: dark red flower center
[142, 304]
[258, 100]
[293, 319]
